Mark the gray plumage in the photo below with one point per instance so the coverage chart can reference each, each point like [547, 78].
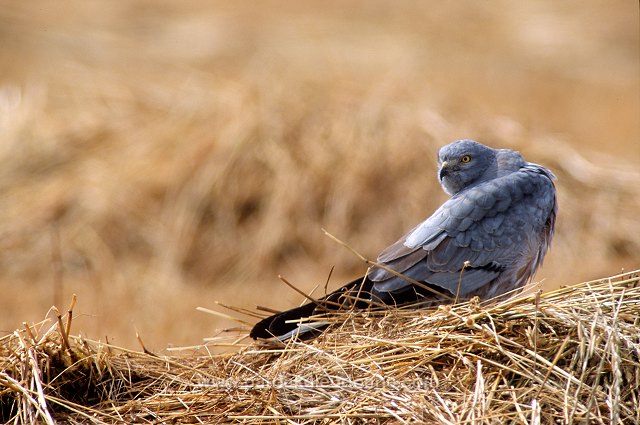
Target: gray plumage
[500, 218]
[487, 240]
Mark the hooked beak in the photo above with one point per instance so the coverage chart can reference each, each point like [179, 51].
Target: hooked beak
[444, 170]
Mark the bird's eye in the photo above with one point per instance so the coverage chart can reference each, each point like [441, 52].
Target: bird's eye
[466, 158]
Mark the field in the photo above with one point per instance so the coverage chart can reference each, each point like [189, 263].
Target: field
[160, 156]
[565, 356]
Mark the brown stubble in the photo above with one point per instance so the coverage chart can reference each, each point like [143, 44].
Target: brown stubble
[179, 154]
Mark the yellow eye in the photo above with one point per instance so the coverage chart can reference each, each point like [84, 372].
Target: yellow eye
[466, 158]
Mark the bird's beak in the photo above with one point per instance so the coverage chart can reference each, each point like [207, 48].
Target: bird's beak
[444, 170]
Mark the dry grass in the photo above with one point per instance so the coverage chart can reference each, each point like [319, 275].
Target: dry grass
[567, 356]
[159, 156]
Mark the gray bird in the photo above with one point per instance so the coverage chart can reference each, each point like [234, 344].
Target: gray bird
[487, 240]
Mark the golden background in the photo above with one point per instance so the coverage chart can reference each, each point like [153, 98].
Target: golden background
[157, 156]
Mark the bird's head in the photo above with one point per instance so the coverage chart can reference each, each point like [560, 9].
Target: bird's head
[464, 163]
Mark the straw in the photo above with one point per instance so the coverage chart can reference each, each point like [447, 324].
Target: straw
[567, 356]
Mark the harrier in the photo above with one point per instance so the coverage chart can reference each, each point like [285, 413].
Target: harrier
[487, 240]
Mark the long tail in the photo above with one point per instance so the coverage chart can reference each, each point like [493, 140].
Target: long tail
[360, 293]
[290, 323]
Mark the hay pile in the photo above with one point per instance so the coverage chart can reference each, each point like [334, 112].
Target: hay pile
[192, 150]
[567, 356]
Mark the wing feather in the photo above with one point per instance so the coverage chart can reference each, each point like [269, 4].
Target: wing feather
[485, 225]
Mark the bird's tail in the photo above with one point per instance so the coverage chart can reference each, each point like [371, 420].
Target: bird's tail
[284, 325]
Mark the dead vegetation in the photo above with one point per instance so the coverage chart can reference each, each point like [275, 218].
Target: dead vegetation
[567, 356]
[160, 151]
[157, 158]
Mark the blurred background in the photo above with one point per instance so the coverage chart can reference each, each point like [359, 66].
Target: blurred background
[157, 156]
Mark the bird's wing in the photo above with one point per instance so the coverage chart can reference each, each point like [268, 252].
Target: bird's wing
[490, 226]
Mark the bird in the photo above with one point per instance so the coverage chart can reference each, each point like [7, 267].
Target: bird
[487, 240]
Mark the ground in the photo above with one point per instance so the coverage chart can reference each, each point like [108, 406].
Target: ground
[159, 156]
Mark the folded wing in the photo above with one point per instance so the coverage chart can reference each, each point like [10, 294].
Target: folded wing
[493, 226]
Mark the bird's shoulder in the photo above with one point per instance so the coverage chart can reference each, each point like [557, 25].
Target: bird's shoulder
[489, 199]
